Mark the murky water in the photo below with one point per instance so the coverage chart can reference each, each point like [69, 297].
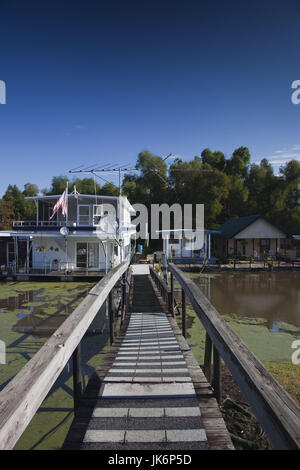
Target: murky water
[275, 297]
[30, 312]
[262, 308]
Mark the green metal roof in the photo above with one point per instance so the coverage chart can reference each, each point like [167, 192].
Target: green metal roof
[234, 226]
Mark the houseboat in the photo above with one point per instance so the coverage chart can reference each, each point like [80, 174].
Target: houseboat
[178, 247]
[93, 235]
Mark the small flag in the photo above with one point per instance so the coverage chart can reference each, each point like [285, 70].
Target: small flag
[63, 203]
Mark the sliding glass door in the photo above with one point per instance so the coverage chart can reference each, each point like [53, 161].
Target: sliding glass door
[87, 255]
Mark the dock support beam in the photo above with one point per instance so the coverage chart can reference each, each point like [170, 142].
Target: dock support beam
[217, 386]
[207, 357]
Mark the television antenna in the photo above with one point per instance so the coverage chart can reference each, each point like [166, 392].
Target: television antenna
[108, 168]
[105, 169]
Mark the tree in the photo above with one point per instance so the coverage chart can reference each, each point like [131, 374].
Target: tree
[262, 183]
[58, 185]
[109, 189]
[30, 190]
[85, 186]
[16, 198]
[196, 182]
[6, 214]
[214, 159]
[238, 164]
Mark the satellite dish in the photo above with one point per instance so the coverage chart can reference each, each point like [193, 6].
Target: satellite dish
[64, 231]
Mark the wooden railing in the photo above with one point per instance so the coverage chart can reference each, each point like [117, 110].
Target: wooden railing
[165, 291]
[23, 395]
[278, 414]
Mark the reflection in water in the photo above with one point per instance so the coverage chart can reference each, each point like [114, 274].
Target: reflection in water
[272, 296]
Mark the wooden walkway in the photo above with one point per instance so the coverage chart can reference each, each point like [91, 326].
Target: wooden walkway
[150, 392]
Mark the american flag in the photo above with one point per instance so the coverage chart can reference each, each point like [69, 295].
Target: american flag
[63, 203]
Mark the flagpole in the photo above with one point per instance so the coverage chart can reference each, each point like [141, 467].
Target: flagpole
[67, 204]
[67, 207]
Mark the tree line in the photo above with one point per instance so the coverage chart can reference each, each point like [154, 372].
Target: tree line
[228, 187]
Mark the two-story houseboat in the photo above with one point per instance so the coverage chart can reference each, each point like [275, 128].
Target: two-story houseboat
[94, 236]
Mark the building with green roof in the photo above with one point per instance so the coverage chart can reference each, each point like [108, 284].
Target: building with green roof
[252, 236]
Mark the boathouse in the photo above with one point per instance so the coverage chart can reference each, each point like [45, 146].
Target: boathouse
[252, 236]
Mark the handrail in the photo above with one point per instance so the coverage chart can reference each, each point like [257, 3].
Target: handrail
[165, 291]
[23, 395]
[160, 280]
[278, 414]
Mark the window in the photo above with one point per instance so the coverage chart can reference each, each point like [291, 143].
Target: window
[87, 255]
[10, 252]
[97, 213]
[174, 241]
[84, 215]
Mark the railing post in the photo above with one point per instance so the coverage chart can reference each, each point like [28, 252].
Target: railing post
[77, 385]
[207, 358]
[217, 376]
[171, 297]
[111, 319]
[123, 297]
[183, 309]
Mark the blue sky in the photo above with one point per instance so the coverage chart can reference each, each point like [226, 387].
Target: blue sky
[89, 82]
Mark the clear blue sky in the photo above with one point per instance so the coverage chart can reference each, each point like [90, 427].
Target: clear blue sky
[100, 81]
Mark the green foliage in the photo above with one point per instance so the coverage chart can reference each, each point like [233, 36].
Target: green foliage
[6, 214]
[228, 187]
[30, 190]
[58, 185]
[17, 201]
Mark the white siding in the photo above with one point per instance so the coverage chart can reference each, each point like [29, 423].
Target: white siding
[260, 229]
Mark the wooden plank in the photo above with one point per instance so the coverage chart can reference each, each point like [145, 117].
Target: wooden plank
[23, 395]
[274, 408]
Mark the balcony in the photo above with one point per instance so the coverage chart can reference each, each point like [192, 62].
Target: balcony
[40, 223]
[96, 223]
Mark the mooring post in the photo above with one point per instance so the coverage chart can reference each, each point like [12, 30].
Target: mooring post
[217, 376]
[207, 357]
[77, 385]
[183, 308]
[111, 319]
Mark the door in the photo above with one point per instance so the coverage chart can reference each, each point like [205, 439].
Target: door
[11, 254]
[264, 246]
[87, 255]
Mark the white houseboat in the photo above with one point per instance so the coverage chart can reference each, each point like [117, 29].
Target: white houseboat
[94, 235]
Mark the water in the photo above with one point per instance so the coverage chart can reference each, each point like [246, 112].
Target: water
[262, 308]
[30, 312]
[274, 297]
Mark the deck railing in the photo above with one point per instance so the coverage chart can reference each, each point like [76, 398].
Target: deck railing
[23, 395]
[41, 223]
[278, 414]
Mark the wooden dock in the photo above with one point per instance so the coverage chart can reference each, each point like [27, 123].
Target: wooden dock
[152, 394]
[149, 392]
